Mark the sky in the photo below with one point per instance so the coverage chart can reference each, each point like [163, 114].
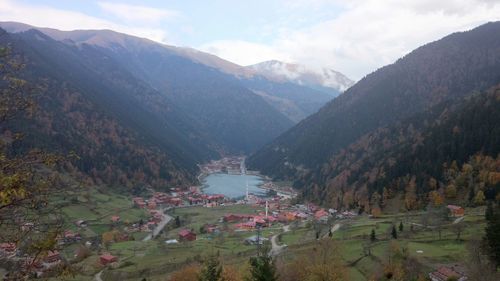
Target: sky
[354, 37]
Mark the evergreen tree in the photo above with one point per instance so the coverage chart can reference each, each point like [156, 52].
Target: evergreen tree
[177, 221]
[262, 269]
[372, 236]
[211, 270]
[401, 227]
[394, 232]
[488, 214]
[492, 237]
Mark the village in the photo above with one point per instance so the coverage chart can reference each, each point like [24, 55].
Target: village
[189, 217]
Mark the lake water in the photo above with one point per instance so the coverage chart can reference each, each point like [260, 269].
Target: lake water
[232, 186]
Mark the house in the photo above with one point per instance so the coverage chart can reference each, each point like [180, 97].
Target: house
[254, 240]
[456, 211]
[445, 273]
[7, 249]
[172, 241]
[246, 225]
[187, 235]
[81, 223]
[139, 202]
[115, 219]
[52, 257]
[321, 214]
[70, 236]
[107, 258]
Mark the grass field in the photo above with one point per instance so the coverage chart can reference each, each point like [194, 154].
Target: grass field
[156, 259]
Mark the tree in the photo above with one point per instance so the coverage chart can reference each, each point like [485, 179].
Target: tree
[262, 268]
[373, 237]
[401, 227]
[177, 221]
[394, 232]
[492, 236]
[324, 263]
[211, 270]
[479, 198]
[458, 228]
[28, 216]
[187, 273]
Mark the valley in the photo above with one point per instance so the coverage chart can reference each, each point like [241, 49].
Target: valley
[131, 156]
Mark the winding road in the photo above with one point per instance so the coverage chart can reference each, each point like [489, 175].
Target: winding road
[166, 219]
[275, 248]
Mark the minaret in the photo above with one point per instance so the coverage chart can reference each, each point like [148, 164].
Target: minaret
[247, 192]
[267, 208]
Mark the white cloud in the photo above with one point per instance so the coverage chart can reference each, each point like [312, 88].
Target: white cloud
[136, 13]
[242, 52]
[44, 16]
[368, 34]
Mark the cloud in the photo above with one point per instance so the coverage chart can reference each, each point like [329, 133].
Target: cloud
[44, 16]
[367, 34]
[242, 52]
[136, 13]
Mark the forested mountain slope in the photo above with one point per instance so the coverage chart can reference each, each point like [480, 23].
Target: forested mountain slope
[450, 152]
[124, 131]
[447, 69]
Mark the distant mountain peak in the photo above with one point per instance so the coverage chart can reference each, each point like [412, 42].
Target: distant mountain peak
[302, 75]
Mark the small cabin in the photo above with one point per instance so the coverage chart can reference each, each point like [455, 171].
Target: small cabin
[186, 235]
[456, 211]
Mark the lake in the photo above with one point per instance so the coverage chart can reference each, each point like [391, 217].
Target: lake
[232, 186]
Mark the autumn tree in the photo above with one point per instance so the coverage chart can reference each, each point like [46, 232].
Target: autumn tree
[324, 263]
[187, 273]
[479, 198]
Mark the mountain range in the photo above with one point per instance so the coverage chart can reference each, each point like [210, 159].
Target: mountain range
[138, 111]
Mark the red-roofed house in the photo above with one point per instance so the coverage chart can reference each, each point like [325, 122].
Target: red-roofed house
[187, 235]
[52, 257]
[456, 211]
[321, 214]
[445, 273]
[115, 219]
[107, 259]
[7, 248]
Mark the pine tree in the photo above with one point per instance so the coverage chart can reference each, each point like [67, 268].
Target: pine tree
[211, 270]
[372, 236]
[262, 269]
[401, 227]
[492, 237]
[394, 232]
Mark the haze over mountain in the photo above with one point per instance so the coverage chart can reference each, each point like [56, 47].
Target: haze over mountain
[327, 80]
[442, 71]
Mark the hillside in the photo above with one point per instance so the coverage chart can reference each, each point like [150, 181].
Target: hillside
[447, 69]
[241, 109]
[449, 153]
[340, 152]
[124, 132]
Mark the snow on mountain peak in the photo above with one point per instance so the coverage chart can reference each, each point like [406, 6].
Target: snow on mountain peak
[302, 75]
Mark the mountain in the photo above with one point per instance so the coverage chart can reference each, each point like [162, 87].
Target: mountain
[234, 116]
[294, 98]
[326, 80]
[124, 132]
[435, 74]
